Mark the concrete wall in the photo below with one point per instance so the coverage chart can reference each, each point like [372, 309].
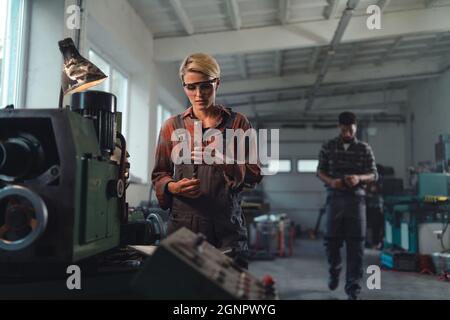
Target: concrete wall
[430, 108]
[44, 59]
[389, 146]
[298, 194]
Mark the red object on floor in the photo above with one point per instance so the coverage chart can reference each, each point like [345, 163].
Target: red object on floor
[291, 240]
[445, 276]
[281, 244]
[426, 264]
[268, 280]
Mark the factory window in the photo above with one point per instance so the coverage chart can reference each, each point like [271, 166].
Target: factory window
[307, 165]
[103, 66]
[12, 35]
[116, 83]
[280, 166]
[119, 87]
[162, 115]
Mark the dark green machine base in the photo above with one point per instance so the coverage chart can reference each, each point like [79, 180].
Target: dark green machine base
[102, 286]
[108, 277]
[184, 266]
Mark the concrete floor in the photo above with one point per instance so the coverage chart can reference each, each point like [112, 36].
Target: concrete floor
[304, 276]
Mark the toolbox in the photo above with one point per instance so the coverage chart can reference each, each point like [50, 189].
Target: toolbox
[392, 222]
[399, 260]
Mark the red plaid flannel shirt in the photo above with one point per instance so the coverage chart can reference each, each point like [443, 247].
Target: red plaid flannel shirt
[242, 175]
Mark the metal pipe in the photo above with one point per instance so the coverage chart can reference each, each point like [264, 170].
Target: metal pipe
[331, 119]
[343, 23]
[337, 85]
[299, 99]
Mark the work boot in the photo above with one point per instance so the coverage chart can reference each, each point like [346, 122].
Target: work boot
[352, 296]
[333, 282]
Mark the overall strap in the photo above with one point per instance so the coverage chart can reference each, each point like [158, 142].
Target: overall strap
[230, 120]
[179, 122]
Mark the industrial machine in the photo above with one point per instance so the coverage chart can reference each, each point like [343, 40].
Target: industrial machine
[270, 236]
[442, 153]
[63, 180]
[418, 226]
[186, 266]
[63, 177]
[417, 223]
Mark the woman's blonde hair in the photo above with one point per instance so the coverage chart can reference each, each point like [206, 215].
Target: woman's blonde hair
[200, 62]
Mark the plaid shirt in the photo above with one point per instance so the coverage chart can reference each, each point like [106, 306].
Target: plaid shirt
[337, 162]
[243, 175]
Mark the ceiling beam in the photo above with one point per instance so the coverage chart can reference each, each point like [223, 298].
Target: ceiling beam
[289, 120]
[182, 16]
[329, 90]
[314, 57]
[401, 70]
[278, 62]
[301, 35]
[242, 66]
[331, 9]
[351, 56]
[444, 63]
[283, 13]
[233, 12]
[430, 3]
[383, 4]
[389, 51]
[337, 37]
[308, 4]
[254, 111]
[429, 45]
[323, 101]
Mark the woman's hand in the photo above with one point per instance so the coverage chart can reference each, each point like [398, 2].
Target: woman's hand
[189, 188]
[197, 156]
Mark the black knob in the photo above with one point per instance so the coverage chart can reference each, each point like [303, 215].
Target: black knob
[199, 240]
[15, 158]
[115, 188]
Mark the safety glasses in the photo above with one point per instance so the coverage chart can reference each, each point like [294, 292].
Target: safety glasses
[204, 86]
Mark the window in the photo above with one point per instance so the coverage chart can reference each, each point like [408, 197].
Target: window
[307, 166]
[105, 67]
[162, 115]
[12, 35]
[280, 166]
[116, 83]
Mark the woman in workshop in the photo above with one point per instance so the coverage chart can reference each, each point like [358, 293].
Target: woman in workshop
[205, 198]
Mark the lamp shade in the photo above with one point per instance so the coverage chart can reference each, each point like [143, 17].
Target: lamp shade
[78, 73]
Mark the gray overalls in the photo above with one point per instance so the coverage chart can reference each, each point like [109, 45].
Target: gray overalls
[217, 213]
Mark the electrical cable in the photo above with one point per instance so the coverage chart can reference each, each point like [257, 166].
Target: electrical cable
[122, 169]
[442, 238]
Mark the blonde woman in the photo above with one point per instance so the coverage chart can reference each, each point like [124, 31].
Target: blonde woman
[204, 198]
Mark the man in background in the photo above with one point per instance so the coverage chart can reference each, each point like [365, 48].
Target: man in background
[346, 165]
